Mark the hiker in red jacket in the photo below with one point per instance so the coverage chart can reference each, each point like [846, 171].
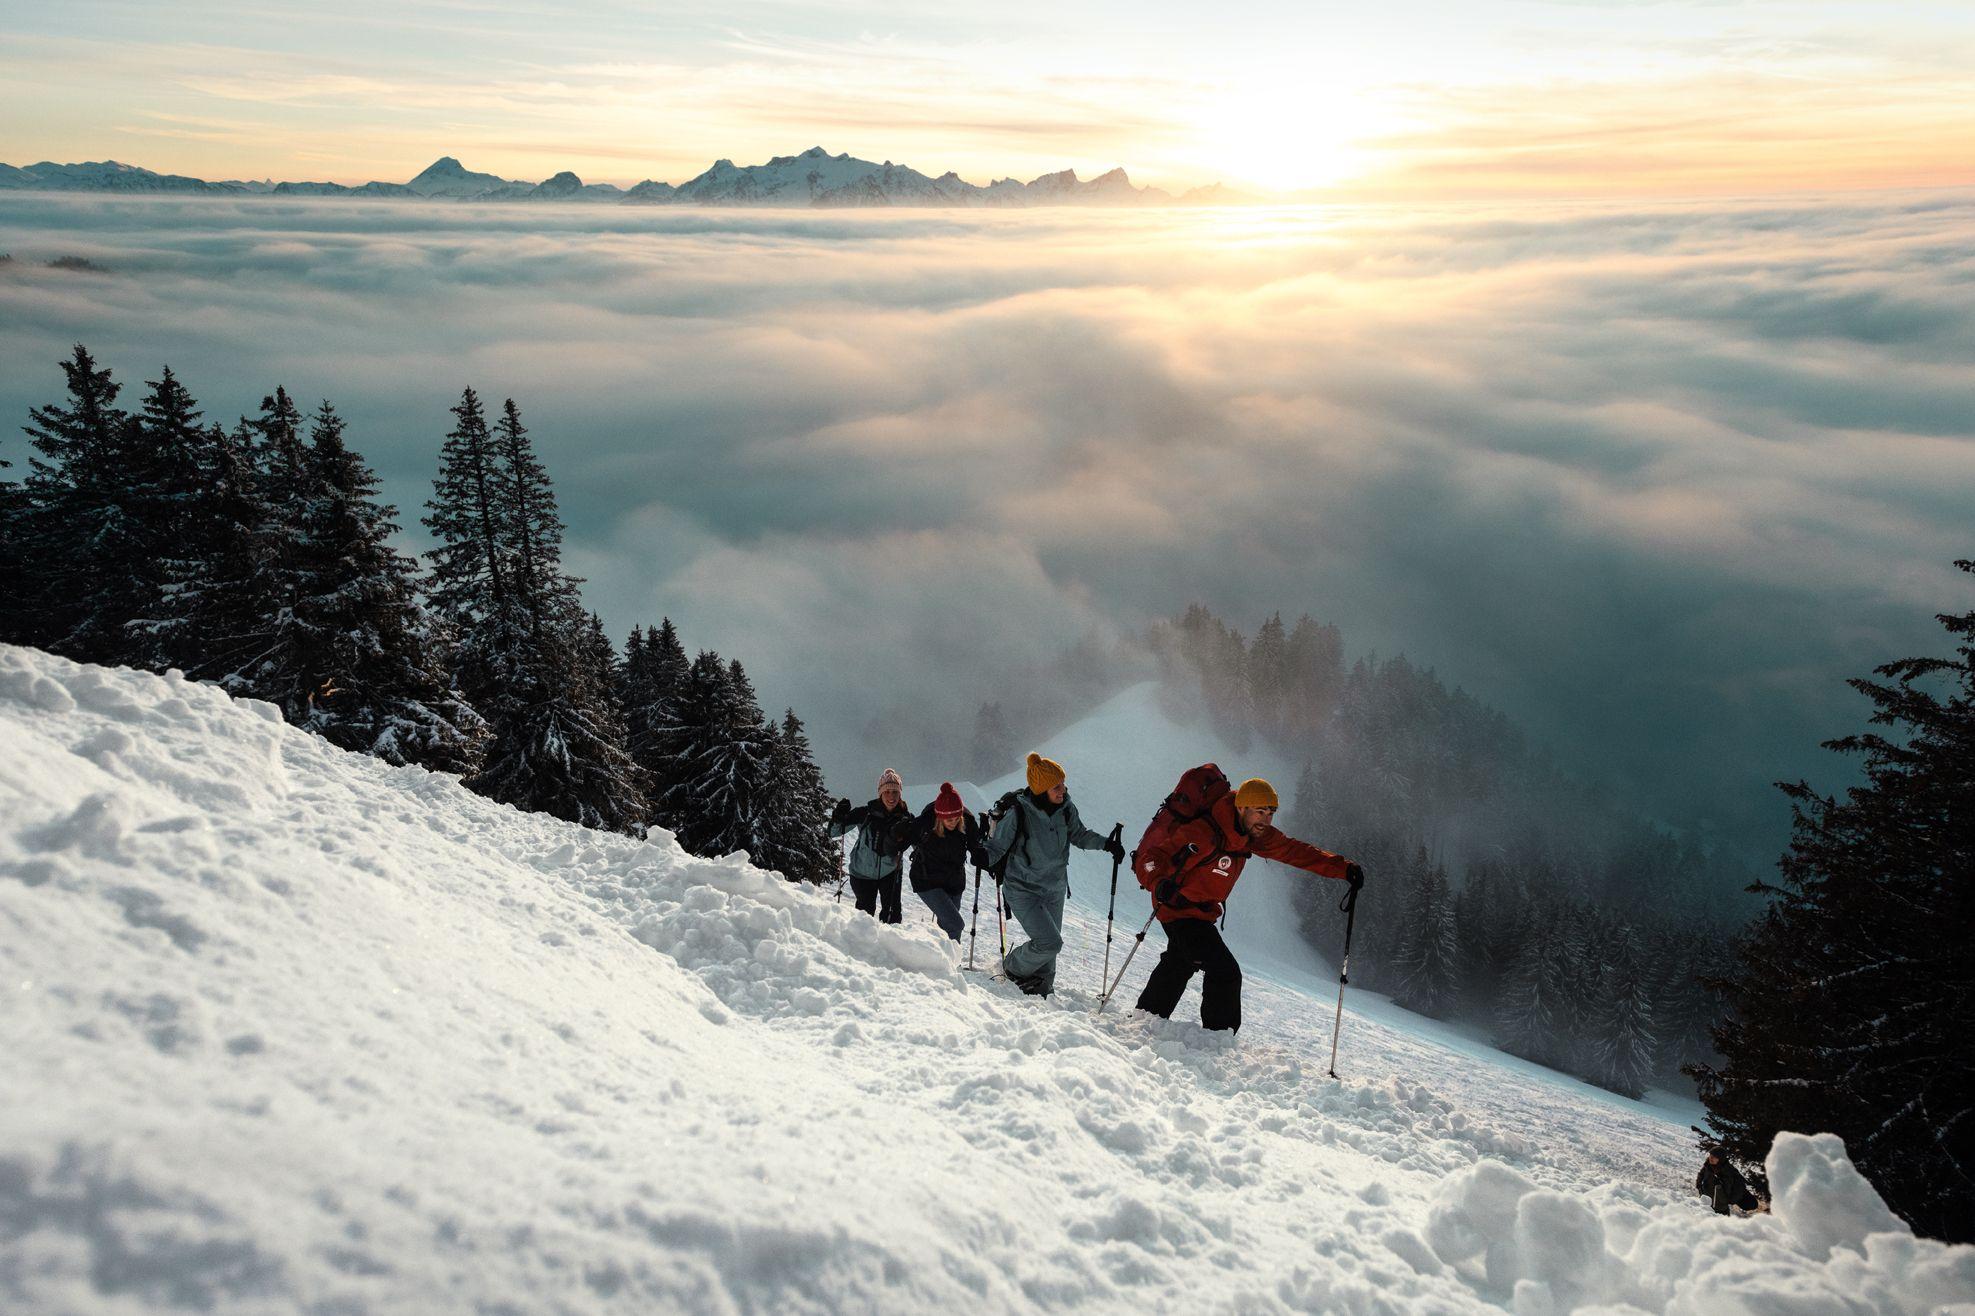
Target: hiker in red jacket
[1203, 860]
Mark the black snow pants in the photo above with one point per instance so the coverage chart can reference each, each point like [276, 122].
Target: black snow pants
[880, 896]
[1194, 945]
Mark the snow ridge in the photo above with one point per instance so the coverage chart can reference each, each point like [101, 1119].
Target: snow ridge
[290, 1029]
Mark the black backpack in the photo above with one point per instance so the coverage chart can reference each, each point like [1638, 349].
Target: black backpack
[1001, 806]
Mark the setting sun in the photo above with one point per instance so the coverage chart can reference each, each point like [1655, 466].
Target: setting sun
[1282, 136]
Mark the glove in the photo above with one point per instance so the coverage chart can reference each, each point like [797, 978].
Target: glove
[841, 812]
[1114, 846]
[1354, 875]
[1166, 891]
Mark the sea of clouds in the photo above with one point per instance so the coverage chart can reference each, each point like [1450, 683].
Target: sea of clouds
[1654, 479]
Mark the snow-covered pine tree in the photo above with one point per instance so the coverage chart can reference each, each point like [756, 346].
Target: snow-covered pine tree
[531, 528]
[366, 675]
[721, 751]
[796, 810]
[221, 600]
[654, 687]
[81, 591]
[170, 520]
[557, 748]
[1527, 1012]
[1621, 1024]
[13, 575]
[278, 451]
[1853, 1004]
[468, 583]
[1424, 959]
[550, 693]
[601, 668]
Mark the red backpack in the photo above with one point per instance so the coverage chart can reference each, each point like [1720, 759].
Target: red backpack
[1193, 798]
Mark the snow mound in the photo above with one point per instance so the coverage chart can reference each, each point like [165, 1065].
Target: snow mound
[1830, 1244]
[288, 1029]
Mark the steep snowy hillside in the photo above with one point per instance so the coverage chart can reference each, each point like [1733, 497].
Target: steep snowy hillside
[287, 1029]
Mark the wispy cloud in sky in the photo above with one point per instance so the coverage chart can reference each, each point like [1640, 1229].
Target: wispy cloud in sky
[1657, 479]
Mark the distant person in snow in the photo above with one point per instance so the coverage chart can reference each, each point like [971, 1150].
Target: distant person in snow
[943, 838]
[1724, 1187]
[1191, 879]
[876, 861]
[1030, 846]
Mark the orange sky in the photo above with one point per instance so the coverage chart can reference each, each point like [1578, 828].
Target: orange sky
[1420, 100]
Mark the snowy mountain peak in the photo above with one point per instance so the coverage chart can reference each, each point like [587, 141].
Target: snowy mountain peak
[813, 178]
[447, 177]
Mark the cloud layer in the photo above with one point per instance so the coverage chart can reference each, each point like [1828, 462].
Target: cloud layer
[1656, 480]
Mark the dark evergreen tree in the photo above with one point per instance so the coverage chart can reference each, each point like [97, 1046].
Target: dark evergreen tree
[171, 524]
[545, 670]
[721, 757]
[531, 529]
[1853, 1002]
[221, 601]
[796, 813]
[994, 750]
[653, 694]
[556, 748]
[77, 531]
[1526, 1021]
[14, 606]
[1268, 678]
[279, 454]
[469, 583]
[1424, 961]
[360, 666]
[1622, 1022]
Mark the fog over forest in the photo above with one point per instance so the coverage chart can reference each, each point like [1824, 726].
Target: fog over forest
[901, 464]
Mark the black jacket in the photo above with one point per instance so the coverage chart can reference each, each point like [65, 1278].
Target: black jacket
[1723, 1185]
[940, 861]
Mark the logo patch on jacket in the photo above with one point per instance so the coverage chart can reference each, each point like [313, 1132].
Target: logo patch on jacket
[1226, 862]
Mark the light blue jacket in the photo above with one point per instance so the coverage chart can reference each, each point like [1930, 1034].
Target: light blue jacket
[1041, 859]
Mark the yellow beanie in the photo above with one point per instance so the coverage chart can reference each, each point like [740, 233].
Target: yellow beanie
[1255, 794]
[1043, 773]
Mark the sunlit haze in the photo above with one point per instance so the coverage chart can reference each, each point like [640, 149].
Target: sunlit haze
[1415, 99]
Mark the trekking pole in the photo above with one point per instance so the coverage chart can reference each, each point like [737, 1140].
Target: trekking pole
[1350, 908]
[1137, 941]
[1117, 835]
[974, 923]
[1001, 918]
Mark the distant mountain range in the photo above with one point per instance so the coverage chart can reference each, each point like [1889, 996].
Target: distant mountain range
[814, 178]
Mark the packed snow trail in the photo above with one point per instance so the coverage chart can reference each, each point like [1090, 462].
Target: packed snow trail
[287, 1029]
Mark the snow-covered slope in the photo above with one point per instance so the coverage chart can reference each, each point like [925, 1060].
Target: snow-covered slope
[286, 1029]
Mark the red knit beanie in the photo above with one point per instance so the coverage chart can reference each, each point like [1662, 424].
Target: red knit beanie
[948, 804]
